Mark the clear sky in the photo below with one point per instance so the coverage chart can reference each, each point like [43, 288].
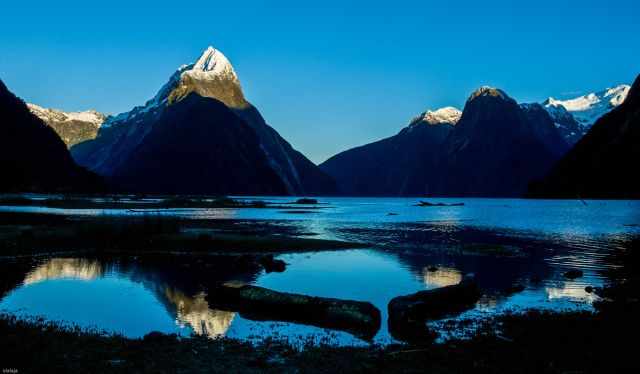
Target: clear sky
[328, 75]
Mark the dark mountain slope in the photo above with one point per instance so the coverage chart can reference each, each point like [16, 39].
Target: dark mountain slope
[604, 163]
[32, 155]
[403, 164]
[494, 150]
[198, 145]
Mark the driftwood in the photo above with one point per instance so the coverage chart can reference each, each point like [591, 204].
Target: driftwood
[408, 314]
[361, 319]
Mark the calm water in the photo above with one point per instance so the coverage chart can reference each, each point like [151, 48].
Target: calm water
[134, 296]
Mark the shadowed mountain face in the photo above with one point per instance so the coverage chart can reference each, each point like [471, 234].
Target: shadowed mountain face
[123, 139]
[604, 163]
[32, 156]
[300, 176]
[198, 145]
[399, 165]
[495, 149]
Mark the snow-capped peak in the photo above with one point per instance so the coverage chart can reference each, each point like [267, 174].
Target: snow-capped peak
[212, 75]
[588, 108]
[54, 115]
[214, 62]
[447, 115]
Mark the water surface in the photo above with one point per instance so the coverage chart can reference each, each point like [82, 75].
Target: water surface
[133, 296]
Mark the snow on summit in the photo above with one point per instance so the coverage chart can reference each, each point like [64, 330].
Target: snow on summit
[588, 108]
[447, 115]
[212, 75]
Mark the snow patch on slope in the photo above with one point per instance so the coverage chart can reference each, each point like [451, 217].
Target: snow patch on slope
[447, 115]
[588, 108]
[54, 115]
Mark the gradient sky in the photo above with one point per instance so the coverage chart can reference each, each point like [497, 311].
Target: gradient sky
[328, 76]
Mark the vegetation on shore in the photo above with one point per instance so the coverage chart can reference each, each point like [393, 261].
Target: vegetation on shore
[26, 233]
[141, 202]
[534, 342]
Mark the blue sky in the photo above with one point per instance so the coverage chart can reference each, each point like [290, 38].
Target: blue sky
[328, 76]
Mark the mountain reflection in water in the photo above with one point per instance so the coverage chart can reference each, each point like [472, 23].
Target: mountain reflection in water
[191, 311]
[177, 293]
[60, 268]
[441, 277]
[195, 312]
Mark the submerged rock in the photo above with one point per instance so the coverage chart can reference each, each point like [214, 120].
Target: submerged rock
[408, 314]
[362, 319]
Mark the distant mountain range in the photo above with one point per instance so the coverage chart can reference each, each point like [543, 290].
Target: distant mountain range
[493, 148]
[32, 156]
[604, 163]
[199, 135]
[229, 148]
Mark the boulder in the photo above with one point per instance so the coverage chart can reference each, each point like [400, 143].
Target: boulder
[573, 274]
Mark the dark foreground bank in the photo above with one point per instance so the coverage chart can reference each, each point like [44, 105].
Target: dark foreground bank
[530, 343]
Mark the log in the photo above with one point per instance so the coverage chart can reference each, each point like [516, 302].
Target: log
[408, 314]
[361, 319]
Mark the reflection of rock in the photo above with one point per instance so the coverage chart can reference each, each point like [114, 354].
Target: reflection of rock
[57, 268]
[441, 277]
[195, 312]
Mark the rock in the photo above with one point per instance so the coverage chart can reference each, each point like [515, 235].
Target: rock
[408, 314]
[270, 264]
[362, 319]
[432, 269]
[516, 288]
[573, 274]
[588, 289]
[306, 201]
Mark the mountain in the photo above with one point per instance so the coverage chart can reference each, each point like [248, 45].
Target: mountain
[575, 116]
[494, 148]
[122, 139]
[198, 145]
[497, 147]
[72, 127]
[394, 166]
[545, 129]
[32, 156]
[604, 163]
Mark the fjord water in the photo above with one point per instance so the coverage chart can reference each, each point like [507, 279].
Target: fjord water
[133, 296]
